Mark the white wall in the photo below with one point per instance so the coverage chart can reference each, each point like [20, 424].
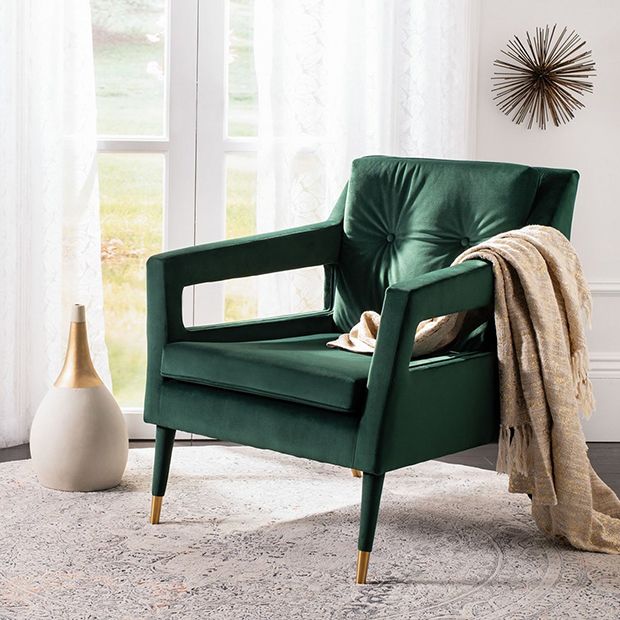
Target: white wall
[590, 143]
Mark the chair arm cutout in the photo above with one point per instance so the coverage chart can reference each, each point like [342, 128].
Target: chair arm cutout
[169, 273]
[444, 291]
[456, 288]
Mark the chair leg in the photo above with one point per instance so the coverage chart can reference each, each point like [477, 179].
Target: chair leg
[356, 473]
[372, 485]
[164, 441]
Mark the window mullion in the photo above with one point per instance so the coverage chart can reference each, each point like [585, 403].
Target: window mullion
[210, 152]
[179, 228]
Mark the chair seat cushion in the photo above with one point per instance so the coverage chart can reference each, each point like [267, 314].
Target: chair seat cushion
[300, 369]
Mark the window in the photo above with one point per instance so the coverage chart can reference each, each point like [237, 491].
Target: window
[129, 39]
[131, 191]
[242, 95]
[177, 122]
[130, 42]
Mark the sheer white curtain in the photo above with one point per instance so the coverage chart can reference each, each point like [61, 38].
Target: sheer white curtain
[49, 211]
[338, 80]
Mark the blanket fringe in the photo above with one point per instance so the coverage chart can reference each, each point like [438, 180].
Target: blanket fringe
[583, 386]
[513, 447]
[586, 304]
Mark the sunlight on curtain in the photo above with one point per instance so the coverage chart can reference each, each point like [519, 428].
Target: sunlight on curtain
[49, 220]
[338, 80]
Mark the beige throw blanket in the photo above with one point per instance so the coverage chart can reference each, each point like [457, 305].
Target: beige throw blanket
[541, 297]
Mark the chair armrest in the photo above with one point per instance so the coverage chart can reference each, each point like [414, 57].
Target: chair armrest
[169, 272]
[454, 289]
[444, 291]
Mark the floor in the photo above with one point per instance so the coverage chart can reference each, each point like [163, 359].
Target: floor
[279, 542]
[605, 457]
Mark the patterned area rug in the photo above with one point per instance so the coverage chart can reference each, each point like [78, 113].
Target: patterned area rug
[253, 534]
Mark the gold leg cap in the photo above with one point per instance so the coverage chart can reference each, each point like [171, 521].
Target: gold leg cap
[156, 508]
[362, 567]
[356, 473]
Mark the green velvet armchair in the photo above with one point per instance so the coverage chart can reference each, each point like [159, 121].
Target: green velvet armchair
[387, 246]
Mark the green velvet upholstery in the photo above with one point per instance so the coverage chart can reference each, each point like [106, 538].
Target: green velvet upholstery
[300, 369]
[405, 217]
[291, 428]
[386, 246]
[372, 486]
[164, 442]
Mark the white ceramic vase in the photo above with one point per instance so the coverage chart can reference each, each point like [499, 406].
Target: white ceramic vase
[78, 439]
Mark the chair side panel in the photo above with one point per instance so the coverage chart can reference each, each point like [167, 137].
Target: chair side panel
[437, 410]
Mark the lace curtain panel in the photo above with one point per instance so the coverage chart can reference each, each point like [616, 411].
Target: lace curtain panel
[49, 211]
[338, 80]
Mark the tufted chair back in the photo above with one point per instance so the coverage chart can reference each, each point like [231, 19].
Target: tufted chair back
[404, 217]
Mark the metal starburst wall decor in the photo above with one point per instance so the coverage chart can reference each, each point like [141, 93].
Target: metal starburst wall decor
[542, 78]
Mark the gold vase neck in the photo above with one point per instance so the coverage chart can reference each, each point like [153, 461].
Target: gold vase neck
[78, 370]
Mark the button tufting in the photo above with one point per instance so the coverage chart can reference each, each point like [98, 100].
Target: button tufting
[390, 238]
[465, 242]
